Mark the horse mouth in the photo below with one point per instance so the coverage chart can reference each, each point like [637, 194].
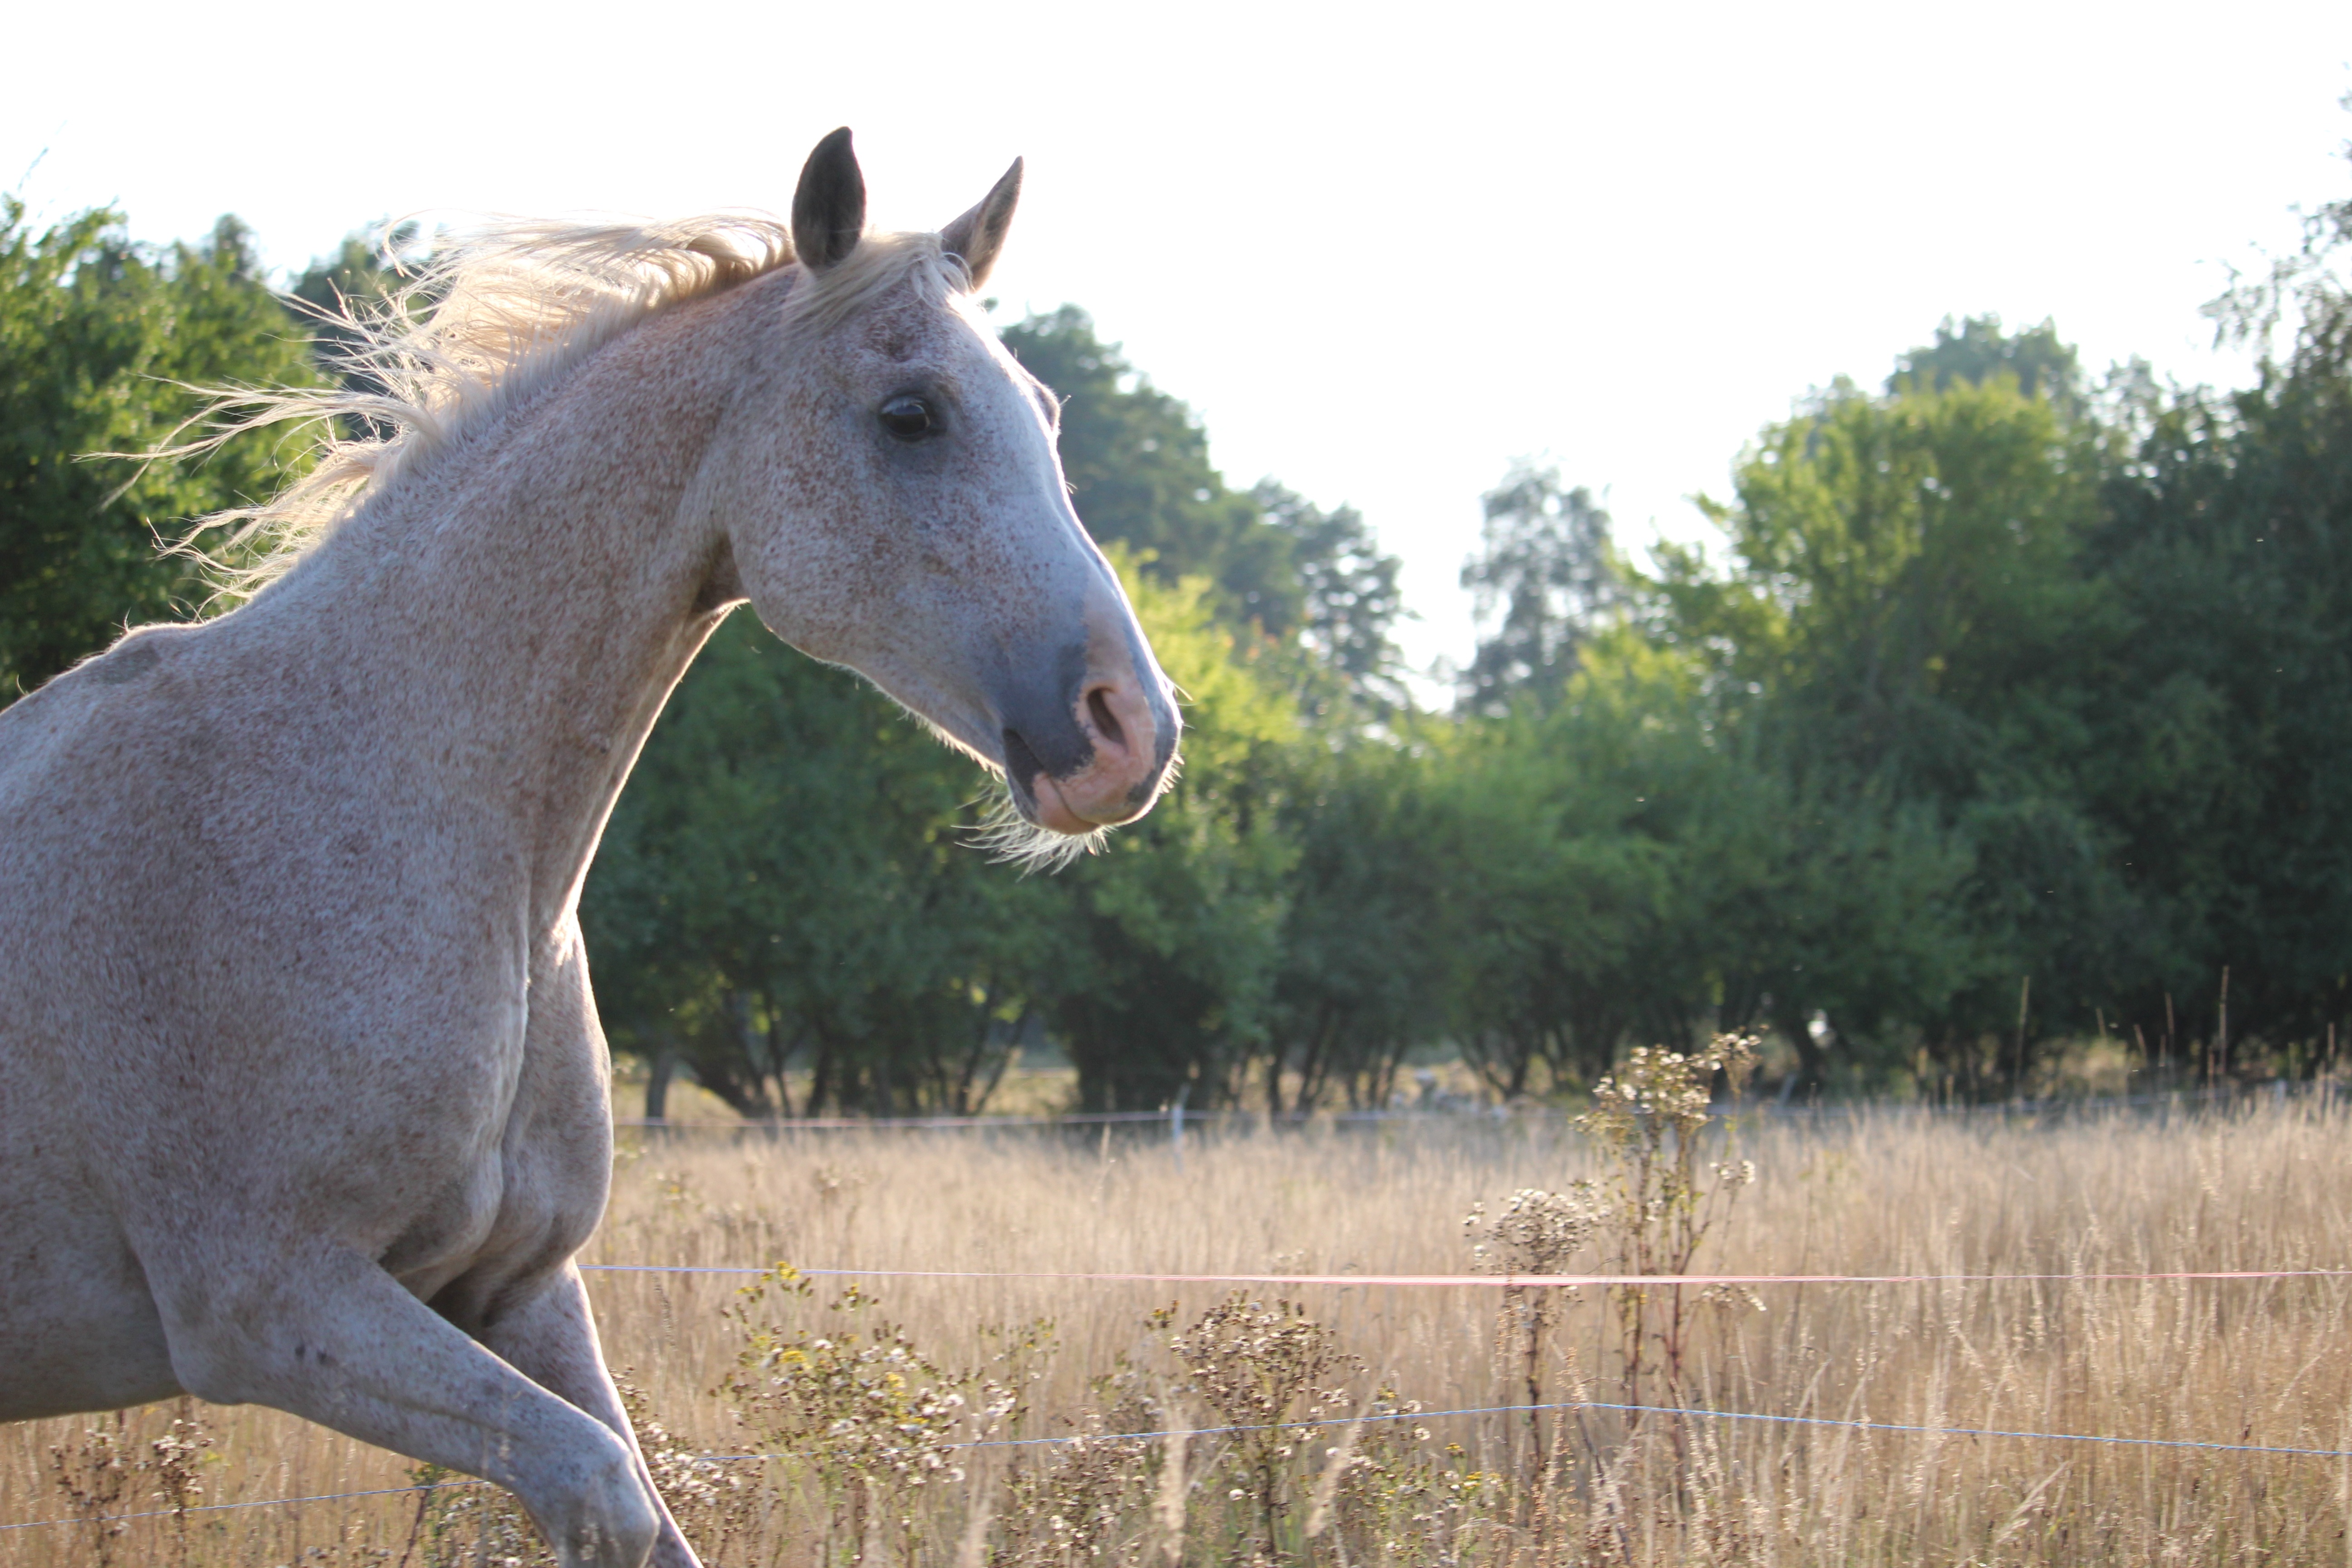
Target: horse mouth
[1082, 802]
[1043, 803]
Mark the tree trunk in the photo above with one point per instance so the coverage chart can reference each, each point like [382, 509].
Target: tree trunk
[657, 1070]
[820, 1076]
[779, 1051]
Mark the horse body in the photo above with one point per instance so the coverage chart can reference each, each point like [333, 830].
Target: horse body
[301, 1079]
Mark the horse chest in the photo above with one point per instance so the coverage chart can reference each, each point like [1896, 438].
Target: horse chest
[518, 1209]
[524, 1152]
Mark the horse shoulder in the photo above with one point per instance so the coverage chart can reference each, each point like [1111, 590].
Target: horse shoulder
[232, 920]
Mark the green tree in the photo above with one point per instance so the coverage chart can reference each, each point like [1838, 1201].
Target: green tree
[1553, 896]
[1349, 599]
[1543, 581]
[1976, 351]
[2227, 746]
[1360, 975]
[100, 341]
[1908, 624]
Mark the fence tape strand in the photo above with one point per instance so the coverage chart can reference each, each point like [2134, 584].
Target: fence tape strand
[1504, 1281]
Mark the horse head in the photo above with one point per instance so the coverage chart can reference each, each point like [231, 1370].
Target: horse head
[893, 503]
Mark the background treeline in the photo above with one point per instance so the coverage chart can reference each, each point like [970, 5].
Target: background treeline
[2013, 708]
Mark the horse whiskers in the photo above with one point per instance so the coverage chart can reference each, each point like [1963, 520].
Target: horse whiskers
[1006, 836]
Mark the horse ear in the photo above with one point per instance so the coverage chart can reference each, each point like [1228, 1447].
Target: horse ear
[979, 234]
[829, 207]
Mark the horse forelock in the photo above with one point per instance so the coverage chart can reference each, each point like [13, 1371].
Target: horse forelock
[505, 311]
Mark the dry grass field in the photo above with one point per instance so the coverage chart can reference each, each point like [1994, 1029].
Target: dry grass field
[886, 1389]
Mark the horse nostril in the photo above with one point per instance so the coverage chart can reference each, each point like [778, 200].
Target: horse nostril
[1098, 709]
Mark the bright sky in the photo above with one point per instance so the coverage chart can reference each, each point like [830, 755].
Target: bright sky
[1384, 253]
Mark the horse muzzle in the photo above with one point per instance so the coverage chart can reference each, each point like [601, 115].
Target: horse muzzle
[1114, 742]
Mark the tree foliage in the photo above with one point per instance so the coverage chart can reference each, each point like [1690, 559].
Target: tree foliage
[1543, 581]
[2226, 541]
[100, 341]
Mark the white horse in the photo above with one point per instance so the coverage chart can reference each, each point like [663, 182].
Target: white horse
[303, 1093]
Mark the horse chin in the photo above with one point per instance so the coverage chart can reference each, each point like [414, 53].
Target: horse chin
[1093, 799]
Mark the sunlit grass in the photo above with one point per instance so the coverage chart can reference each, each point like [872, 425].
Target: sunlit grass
[2263, 1362]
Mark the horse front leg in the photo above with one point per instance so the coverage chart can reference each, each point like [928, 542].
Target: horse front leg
[551, 1338]
[327, 1335]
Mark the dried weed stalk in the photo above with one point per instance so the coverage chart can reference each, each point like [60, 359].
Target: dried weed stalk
[1659, 1198]
[1090, 1498]
[93, 1471]
[1262, 1368]
[857, 1411]
[465, 1524]
[1401, 1498]
[103, 1473]
[716, 1501]
[1535, 1232]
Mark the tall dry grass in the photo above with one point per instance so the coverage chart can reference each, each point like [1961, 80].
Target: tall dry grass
[2265, 1364]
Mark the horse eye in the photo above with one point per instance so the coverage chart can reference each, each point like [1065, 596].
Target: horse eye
[907, 419]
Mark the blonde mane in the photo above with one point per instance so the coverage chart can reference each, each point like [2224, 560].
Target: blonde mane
[493, 318]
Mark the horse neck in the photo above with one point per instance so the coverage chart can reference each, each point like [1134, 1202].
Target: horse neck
[519, 611]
